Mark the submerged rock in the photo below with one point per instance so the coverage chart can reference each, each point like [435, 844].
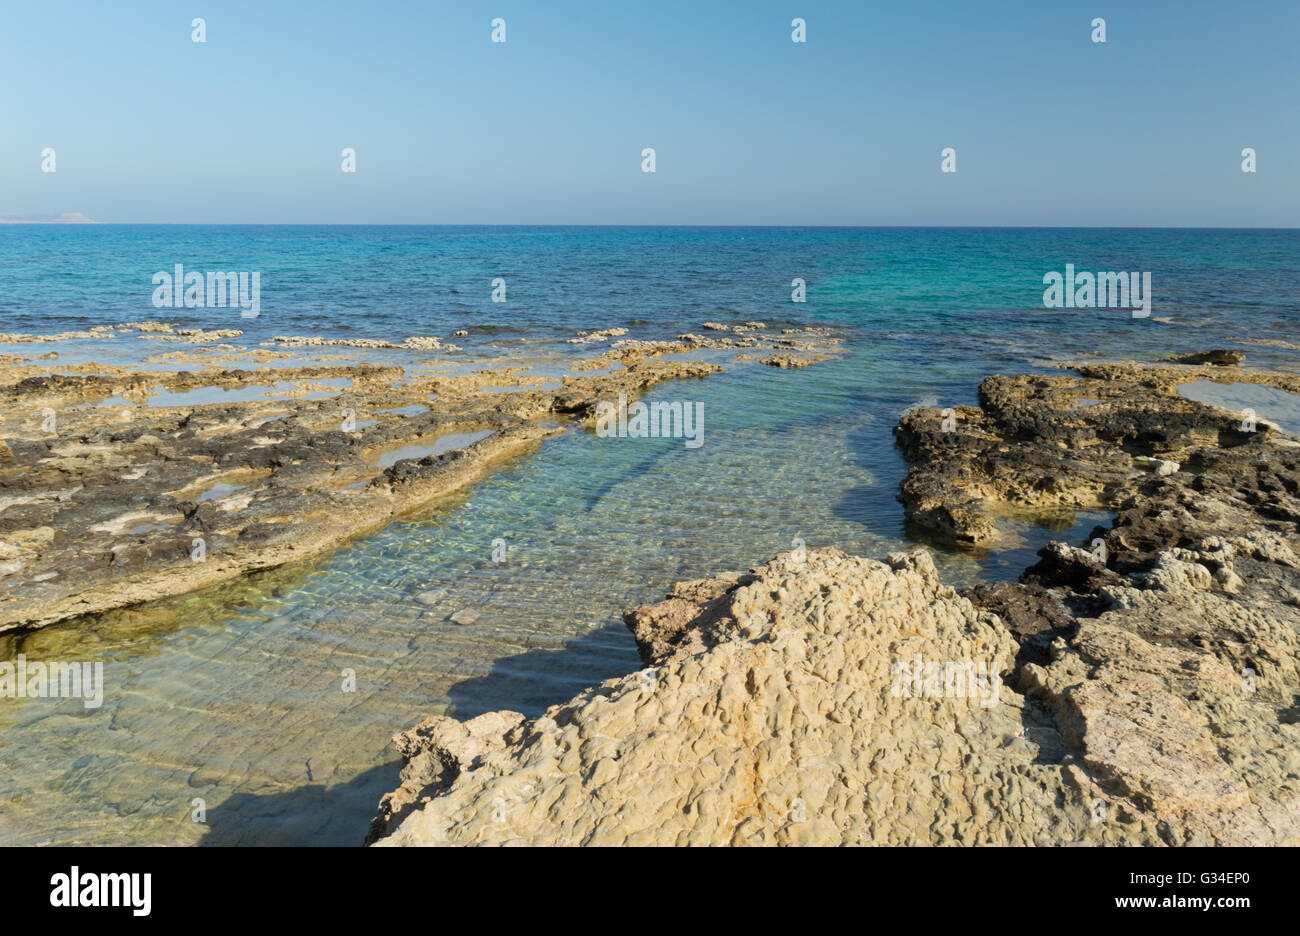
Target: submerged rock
[792, 360]
[431, 597]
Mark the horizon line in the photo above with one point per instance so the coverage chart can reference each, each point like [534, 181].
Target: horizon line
[87, 222]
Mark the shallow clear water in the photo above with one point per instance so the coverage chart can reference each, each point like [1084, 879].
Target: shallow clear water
[202, 396]
[440, 445]
[218, 491]
[236, 695]
[1263, 403]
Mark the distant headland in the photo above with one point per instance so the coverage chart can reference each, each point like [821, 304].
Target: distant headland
[67, 217]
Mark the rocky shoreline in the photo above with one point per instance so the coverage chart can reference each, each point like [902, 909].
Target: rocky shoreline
[121, 485]
[1139, 688]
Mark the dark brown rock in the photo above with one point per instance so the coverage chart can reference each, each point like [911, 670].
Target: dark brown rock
[1219, 358]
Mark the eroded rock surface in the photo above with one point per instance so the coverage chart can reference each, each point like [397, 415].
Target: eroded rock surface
[788, 730]
[125, 486]
[1085, 441]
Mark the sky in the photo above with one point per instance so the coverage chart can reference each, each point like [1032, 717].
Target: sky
[748, 127]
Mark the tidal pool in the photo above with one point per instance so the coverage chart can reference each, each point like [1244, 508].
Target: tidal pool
[439, 446]
[1265, 403]
[202, 396]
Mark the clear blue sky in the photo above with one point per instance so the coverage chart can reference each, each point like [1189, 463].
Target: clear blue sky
[749, 127]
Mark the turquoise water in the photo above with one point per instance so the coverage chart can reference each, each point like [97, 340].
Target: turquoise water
[386, 282]
[235, 696]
